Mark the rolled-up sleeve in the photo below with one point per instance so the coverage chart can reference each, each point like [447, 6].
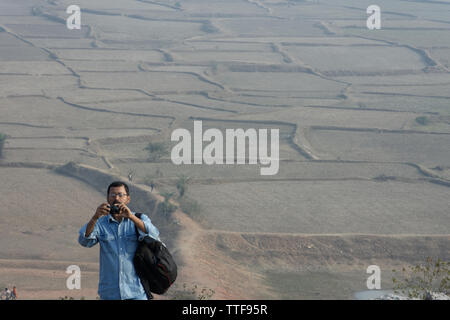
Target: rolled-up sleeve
[152, 231]
[88, 241]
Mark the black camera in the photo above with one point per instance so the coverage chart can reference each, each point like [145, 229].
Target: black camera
[114, 209]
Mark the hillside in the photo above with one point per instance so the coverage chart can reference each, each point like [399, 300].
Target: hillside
[363, 150]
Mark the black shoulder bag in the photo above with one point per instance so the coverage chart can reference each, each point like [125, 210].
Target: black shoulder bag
[154, 265]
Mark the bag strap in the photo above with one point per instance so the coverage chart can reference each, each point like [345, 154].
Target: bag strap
[135, 228]
[137, 232]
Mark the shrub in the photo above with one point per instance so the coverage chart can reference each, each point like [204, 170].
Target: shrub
[208, 27]
[2, 143]
[181, 185]
[193, 293]
[70, 298]
[423, 280]
[166, 207]
[192, 208]
[157, 150]
[422, 120]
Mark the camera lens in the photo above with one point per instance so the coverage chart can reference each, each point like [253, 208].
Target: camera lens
[114, 209]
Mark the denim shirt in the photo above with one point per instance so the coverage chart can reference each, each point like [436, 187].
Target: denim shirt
[118, 243]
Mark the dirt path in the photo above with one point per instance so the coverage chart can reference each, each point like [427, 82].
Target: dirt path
[205, 266]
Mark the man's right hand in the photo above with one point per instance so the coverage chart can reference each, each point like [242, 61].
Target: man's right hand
[101, 211]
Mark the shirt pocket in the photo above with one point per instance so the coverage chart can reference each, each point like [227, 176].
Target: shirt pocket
[107, 242]
[131, 243]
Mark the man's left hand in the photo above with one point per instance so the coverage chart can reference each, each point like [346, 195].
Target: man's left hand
[124, 211]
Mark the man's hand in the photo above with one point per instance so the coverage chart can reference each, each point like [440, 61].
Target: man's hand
[101, 211]
[124, 211]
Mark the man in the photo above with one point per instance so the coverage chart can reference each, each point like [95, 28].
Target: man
[14, 293]
[6, 294]
[118, 242]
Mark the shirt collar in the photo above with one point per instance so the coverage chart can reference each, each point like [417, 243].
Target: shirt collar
[111, 219]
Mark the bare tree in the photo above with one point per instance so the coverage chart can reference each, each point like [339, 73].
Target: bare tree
[2, 143]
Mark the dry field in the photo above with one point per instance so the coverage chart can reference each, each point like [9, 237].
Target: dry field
[364, 121]
[363, 59]
[423, 148]
[324, 207]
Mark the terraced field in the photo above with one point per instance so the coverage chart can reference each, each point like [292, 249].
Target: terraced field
[363, 116]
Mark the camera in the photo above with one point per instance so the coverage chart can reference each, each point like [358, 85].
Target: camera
[114, 209]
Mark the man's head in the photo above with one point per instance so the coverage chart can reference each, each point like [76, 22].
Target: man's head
[118, 192]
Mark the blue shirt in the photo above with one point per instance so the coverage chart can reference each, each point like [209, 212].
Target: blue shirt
[118, 243]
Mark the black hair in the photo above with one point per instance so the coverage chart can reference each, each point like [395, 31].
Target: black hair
[118, 184]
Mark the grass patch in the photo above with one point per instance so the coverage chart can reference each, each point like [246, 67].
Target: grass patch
[315, 284]
[422, 120]
[192, 208]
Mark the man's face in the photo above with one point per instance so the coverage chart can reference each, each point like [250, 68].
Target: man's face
[118, 195]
